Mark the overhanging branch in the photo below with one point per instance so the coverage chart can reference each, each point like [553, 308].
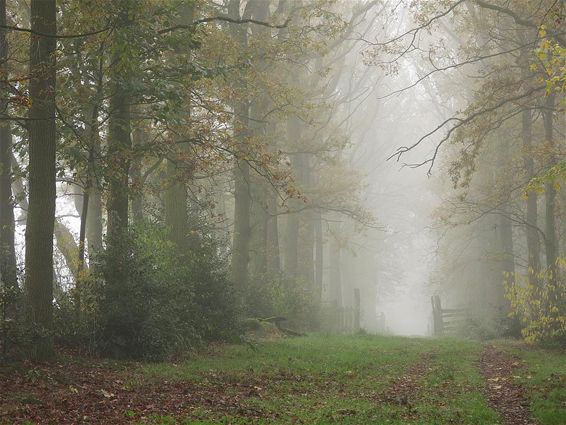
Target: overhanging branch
[47, 35]
[223, 19]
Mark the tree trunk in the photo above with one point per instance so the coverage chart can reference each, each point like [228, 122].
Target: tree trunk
[94, 226]
[335, 272]
[260, 190]
[138, 138]
[259, 229]
[176, 197]
[8, 269]
[91, 181]
[318, 253]
[508, 261]
[291, 245]
[306, 244]
[176, 217]
[506, 275]
[273, 260]
[42, 194]
[533, 240]
[118, 146]
[119, 150]
[242, 230]
[551, 244]
[291, 257]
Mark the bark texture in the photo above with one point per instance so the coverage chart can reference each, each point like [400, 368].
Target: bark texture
[119, 151]
[242, 230]
[42, 149]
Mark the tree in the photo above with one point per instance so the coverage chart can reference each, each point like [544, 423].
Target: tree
[119, 144]
[42, 151]
[520, 80]
[8, 275]
[242, 230]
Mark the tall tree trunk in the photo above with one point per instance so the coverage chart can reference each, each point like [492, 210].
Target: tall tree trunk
[176, 217]
[273, 257]
[258, 225]
[318, 253]
[508, 261]
[291, 245]
[242, 230]
[119, 149]
[92, 137]
[551, 242]
[260, 190]
[42, 194]
[335, 272]
[533, 239]
[8, 274]
[306, 244]
[138, 138]
[176, 197]
[505, 234]
[94, 226]
[291, 253]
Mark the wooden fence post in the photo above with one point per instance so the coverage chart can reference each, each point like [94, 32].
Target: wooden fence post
[438, 325]
[357, 310]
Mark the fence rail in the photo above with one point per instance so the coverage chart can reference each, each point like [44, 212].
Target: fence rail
[446, 320]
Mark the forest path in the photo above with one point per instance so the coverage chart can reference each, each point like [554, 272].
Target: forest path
[507, 397]
[318, 379]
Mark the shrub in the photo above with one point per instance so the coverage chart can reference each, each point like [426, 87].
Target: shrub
[540, 309]
[167, 304]
[214, 298]
[13, 337]
[282, 296]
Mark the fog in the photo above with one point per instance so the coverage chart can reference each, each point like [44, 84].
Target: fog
[389, 167]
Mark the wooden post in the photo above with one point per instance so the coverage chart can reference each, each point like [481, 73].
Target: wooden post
[437, 315]
[434, 316]
[356, 310]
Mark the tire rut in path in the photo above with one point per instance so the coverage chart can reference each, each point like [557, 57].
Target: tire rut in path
[403, 390]
[506, 397]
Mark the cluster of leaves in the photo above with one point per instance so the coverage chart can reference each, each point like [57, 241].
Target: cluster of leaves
[540, 308]
[9, 329]
[552, 59]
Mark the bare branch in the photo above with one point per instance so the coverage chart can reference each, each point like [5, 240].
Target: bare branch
[460, 122]
[47, 35]
[224, 19]
[518, 19]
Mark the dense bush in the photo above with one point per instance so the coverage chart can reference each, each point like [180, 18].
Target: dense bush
[541, 309]
[215, 301]
[12, 334]
[283, 296]
[167, 304]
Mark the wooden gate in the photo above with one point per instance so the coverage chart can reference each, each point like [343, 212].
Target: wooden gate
[445, 320]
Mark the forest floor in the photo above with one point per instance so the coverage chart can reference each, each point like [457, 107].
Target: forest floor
[307, 380]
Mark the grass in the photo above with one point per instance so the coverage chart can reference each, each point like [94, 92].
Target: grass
[544, 375]
[453, 388]
[347, 380]
[319, 380]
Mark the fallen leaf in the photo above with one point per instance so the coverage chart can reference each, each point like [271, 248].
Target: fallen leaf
[107, 394]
